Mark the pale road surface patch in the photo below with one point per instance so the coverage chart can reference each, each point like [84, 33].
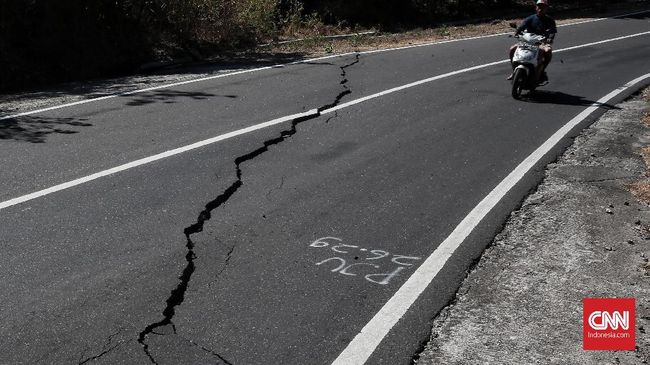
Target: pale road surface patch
[581, 234]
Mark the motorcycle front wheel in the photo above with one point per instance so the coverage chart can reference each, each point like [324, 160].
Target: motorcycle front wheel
[518, 83]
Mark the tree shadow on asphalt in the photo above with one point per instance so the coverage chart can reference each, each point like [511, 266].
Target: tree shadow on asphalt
[560, 98]
[35, 129]
[641, 16]
[168, 97]
[153, 76]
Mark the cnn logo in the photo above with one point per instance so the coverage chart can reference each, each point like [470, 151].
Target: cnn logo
[608, 323]
[600, 320]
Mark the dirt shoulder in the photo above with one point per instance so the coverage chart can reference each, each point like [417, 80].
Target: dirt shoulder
[316, 46]
[582, 234]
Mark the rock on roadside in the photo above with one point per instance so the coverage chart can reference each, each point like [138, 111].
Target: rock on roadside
[581, 234]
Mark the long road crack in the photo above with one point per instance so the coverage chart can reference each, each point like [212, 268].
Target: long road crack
[177, 295]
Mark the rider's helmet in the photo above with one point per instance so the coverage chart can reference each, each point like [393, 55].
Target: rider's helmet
[541, 2]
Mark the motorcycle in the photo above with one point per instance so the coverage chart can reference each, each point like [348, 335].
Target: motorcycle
[525, 62]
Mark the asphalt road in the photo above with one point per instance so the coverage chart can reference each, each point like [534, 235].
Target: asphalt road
[219, 255]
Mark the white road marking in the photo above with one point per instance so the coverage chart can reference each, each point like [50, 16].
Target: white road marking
[234, 73]
[256, 127]
[490, 35]
[424, 81]
[365, 343]
[601, 42]
[150, 159]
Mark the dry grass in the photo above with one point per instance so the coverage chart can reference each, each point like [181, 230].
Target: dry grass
[315, 44]
[645, 268]
[318, 46]
[641, 191]
[646, 116]
[645, 153]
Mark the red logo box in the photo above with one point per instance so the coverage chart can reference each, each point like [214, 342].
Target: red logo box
[608, 323]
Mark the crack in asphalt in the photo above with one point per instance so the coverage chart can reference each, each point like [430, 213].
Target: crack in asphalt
[211, 352]
[276, 188]
[177, 295]
[228, 257]
[336, 115]
[175, 299]
[225, 266]
[105, 351]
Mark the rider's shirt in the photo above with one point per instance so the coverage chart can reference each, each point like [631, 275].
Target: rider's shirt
[543, 25]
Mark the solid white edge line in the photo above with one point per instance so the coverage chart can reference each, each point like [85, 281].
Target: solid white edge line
[166, 86]
[364, 344]
[176, 151]
[150, 159]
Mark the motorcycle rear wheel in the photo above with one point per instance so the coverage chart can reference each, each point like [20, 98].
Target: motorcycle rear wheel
[518, 83]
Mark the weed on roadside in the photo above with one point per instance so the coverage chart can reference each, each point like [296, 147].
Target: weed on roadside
[641, 190]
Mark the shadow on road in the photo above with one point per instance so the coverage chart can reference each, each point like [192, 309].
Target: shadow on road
[155, 76]
[560, 98]
[36, 129]
[644, 15]
[169, 97]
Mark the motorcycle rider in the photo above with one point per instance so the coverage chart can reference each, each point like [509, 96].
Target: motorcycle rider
[541, 24]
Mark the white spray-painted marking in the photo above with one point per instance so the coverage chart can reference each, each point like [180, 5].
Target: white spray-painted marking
[342, 267]
[256, 127]
[346, 270]
[365, 342]
[281, 65]
[342, 263]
